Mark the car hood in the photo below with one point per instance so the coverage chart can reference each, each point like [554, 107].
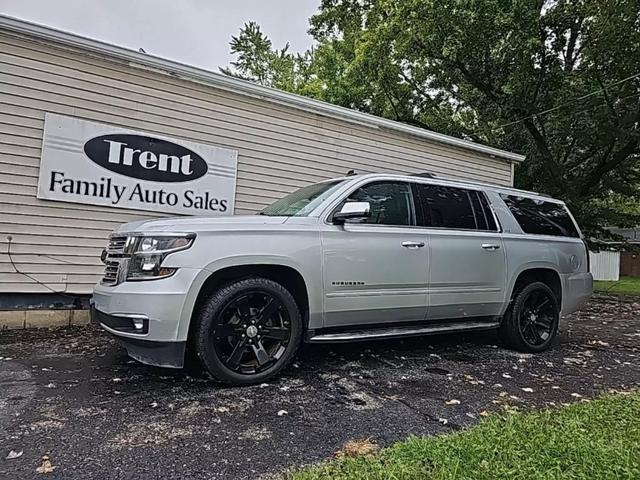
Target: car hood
[199, 224]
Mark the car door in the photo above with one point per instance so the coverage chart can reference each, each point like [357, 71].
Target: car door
[375, 269]
[467, 265]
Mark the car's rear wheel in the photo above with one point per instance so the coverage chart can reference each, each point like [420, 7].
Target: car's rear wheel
[531, 322]
[248, 331]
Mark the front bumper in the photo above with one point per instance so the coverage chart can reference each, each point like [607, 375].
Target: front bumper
[164, 303]
[157, 353]
[161, 307]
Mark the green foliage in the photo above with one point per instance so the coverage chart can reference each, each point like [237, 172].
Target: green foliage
[624, 286]
[259, 62]
[556, 80]
[587, 441]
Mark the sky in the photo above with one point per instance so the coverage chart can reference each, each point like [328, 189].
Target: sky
[195, 32]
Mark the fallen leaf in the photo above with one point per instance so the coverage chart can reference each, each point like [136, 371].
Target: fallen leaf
[357, 448]
[14, 454]
[452, 402]
[484, 413]
[46, 466]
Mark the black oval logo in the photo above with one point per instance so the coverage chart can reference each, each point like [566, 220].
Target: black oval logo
[145, 158]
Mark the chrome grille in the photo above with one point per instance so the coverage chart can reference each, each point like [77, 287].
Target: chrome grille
[111, 273]
[115, 260]
[116, 245]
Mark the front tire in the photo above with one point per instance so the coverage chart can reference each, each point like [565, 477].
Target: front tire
[531, 322]
[248, 331]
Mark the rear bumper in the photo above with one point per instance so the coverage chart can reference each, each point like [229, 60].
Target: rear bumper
[157, 353]
[577, 288]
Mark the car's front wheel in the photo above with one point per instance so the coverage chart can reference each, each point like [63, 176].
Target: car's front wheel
[248, 331]
[531, 322]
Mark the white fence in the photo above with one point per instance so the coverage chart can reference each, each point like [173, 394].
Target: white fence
[605, 265]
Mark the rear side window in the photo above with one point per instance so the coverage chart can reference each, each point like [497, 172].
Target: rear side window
[456, 208]
[541, 218]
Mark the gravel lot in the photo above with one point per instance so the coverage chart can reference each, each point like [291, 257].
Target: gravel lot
[74, 395]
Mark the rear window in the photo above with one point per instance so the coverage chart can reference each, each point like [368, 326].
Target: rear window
[541, 218]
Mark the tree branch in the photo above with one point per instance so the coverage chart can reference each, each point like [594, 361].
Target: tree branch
[604, 167]
[547, 156]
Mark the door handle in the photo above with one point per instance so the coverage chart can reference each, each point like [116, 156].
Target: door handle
[490, 246]
[413, 244]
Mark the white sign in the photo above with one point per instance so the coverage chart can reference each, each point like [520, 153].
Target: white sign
[94, 163]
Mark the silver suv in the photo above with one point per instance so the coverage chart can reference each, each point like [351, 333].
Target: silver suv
[356, 258]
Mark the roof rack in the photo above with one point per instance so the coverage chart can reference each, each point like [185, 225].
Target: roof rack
[424, 175]
[476, 182]
[500, 187]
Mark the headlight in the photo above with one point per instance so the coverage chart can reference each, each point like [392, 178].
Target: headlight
[148, 253]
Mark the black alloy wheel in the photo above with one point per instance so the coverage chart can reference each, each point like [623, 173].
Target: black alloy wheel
[247, 331]
[252, 332]
[537, 317]
[531, 322]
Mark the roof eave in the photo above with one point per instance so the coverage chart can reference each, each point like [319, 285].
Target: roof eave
[225, 82]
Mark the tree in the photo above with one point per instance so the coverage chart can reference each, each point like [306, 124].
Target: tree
[557, 80]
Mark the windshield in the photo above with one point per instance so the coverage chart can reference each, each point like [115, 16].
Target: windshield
[303, 201]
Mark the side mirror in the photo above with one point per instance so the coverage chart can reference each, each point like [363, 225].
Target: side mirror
[352, 210]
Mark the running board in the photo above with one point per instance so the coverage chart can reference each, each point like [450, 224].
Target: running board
[397, 332]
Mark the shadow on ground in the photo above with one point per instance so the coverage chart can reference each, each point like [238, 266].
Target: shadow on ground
[74, 395]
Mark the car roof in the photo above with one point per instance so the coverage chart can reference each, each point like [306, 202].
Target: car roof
[438, 180]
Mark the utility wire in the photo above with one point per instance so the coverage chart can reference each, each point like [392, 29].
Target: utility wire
[33, 279]
[570, 102]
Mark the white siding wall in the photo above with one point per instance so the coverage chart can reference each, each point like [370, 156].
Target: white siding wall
[280, 149]
[605, 265]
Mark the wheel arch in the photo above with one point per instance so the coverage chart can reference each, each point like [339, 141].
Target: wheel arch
[279, 270]
[542, 273]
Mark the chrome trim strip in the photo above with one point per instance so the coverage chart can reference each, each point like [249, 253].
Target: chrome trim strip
[400, 332]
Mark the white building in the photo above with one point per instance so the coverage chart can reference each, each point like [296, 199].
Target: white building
[257, 144]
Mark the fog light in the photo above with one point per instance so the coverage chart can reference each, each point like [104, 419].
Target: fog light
[138, 323]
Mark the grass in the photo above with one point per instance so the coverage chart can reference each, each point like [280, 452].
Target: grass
[590, 440]
[625, 286]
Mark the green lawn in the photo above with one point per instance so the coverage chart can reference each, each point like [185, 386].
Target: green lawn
[586, 441]
[625, 286]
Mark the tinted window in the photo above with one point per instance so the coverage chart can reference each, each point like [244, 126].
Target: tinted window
[487, 213]
[481, 217]
[540, 217]
[446, 207]
[390, 203]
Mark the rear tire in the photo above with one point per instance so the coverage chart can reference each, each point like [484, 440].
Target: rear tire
[248, 331]
[532, 319]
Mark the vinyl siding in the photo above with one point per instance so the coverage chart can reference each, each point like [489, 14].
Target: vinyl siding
[280, 148]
